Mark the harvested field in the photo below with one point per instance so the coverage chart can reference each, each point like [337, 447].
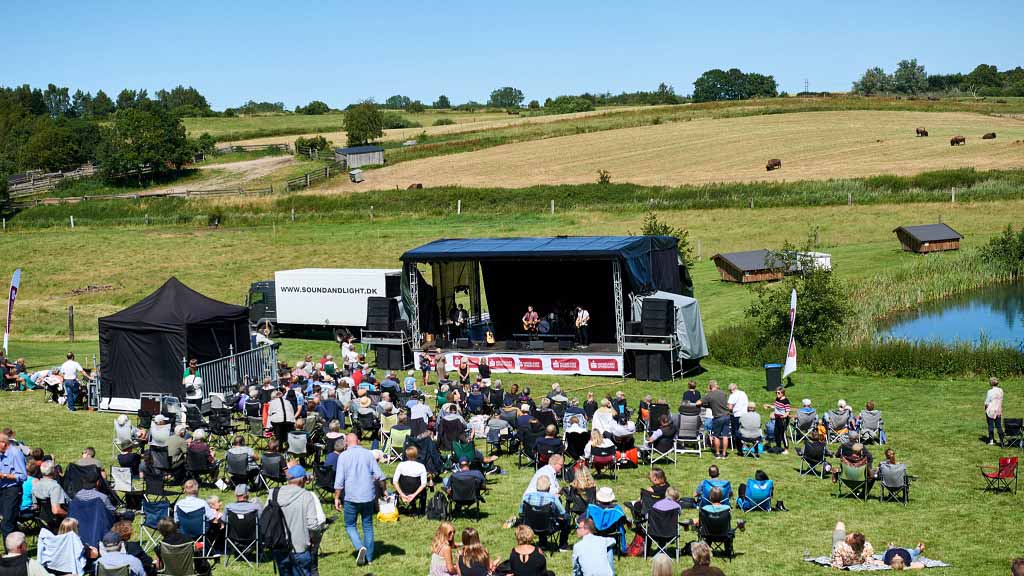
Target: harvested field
[811, 145]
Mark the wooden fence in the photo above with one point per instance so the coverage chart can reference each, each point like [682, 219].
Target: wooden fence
[36, 181]
[315, 153]
[283, 147]
[143, 195]
[310, 178]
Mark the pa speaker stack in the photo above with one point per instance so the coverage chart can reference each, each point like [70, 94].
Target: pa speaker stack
[393, 285]
[657, 317]
[381, 313]
[391, 357]
[652, 366]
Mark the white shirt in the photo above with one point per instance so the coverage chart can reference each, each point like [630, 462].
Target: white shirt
[412, 469]
[739, 402]
[583, 317]
[351, 356]
[193, 386]
[70, 370]
[421, 411]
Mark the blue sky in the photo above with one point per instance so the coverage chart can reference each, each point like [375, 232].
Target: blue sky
[341, 52]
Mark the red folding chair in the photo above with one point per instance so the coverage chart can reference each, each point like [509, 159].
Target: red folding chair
[1002, 477]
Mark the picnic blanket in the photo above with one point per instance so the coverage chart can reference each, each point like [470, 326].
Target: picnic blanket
[826, 561]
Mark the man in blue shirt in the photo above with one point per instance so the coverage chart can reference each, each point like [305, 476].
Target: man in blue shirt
[410, 382]
[358, 474]
[541, 497]
[12, 474]
[592, 555]
[332, 459]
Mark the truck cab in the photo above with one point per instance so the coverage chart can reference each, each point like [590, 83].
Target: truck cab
[262, 303]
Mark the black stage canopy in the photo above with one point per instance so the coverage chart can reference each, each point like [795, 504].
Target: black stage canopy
[142, 346]
[551, 274]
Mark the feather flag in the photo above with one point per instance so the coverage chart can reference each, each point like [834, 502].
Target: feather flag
[791, 350]
[15, 282]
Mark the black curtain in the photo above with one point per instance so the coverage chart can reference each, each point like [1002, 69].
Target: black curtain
[211, 340]
[137, 361]
[550, 286]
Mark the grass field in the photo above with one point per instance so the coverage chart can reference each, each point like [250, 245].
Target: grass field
[812, 145]
[933, 426]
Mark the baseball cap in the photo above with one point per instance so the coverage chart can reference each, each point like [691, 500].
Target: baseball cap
[296, 472]
[111, 540]
[241, 490]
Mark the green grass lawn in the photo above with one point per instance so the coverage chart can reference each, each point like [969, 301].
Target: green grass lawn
[933, 426]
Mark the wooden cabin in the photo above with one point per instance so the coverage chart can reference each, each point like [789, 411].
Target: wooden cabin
[928, 238]
[356, 156]
[747, 267]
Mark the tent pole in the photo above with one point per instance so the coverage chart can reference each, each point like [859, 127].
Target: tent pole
[414, 308]
[617, 292]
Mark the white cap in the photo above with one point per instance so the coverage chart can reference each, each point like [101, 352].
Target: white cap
[807, 402]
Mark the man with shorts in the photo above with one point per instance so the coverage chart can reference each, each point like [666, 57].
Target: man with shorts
[721, 415]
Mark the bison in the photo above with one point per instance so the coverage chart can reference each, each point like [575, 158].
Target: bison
[989, 136]
[416, 186]
[922, 132]
[773, 164]
[957, 140]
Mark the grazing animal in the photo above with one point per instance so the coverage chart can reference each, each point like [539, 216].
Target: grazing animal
[922, 132]
[773, 164]
[416, 186]
[957, 140]
[989, 136]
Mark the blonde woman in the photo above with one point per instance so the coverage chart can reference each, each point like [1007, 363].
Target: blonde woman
[662, 565]
[597, 440]
[526, 559]
[441, 561]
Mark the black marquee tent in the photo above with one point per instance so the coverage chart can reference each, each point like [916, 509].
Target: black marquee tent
[142, 346]
[549, 273]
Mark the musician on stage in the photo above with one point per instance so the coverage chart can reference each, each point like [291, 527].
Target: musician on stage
[461, 321]
[583, 326]
[531, 320]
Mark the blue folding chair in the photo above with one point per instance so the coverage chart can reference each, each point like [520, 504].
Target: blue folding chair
[705, 492]
[757, 497]
[152, 512]
[193, 525]
[94, 520]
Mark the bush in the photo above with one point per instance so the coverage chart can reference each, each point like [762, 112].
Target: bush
[314, 108]
[604, 177]
[415, 107]
[444, 122]
[393, 120]
[654, 227]
[1006, 252]
[569, 105]
[315, 143]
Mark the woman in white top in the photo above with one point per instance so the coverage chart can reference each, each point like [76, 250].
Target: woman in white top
[280, 416]
[596, 439]
[414, 470]
[994, 410]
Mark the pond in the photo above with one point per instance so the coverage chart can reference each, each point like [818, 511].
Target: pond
[996, 312]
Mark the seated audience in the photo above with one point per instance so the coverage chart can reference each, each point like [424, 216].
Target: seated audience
[702, 494]
[415, 471]
[191, 501]
[550, 442]
[541, 497]
[442, 561]
[592, 555]
[473, 557]
[17, 560]
[701, 553]
[243, 503]
[113, 558]
[124, 529]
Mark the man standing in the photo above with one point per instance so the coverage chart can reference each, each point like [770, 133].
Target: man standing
[302, 517]
[738, 405]
[720, 419]
[530, 320]
[583, 326]
[70, 370]
[994, 410]
[12, 474]
[358, 474]
[592, 555]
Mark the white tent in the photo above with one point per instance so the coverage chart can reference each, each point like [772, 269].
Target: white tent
[689, 328]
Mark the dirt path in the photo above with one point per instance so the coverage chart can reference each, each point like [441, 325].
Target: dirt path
[233, 175]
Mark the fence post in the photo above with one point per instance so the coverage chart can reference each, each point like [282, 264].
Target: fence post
[147, 219]
[458, 208]
[71, 323]
[371, 213]
[751, 201]
[698, 248]
[293, 214]
[327, 172]
[5, 224]
[72, 222]
[552, 207]
[849, 198]
[952, 195]
[307, 179]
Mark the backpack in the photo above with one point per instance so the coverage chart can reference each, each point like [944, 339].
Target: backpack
[273, 529]
[437, 507]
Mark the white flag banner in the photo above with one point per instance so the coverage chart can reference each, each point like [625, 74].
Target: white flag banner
[15, 282]
[791, 350]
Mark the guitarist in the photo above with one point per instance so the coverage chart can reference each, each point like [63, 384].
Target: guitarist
[530, 320]
[461, 320]
[583, 326]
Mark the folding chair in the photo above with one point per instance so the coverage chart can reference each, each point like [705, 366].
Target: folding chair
[497, 438]
[575, 444]
[123, 570]
[1013, 428]
[45, 515]
[855, 479]
[271, 466]
[410, 484]
[870, 428]
[124, 483]
[812, 464]
[323, 479]
[543, 520]
[464, 449]
[392, 446]
[757, 496]
[194, 418]
[465, 493]
[716, 530]
[689, 438]
[544, 455]
[366, 422]
[703, 499]
[749, 447]
[448, 432]
[527, 440]
[602, 458]
[801, 429]
[155, 489]
[662, 531]
[838, 427]
[663, 448]
[894, 484]
[241, 537]
[256, 433]
[94, 520]
[152, 512]
[192, 525]
[547, 418]
[178, 559]
[609, 522]
[1002, 477]
[298, 445]
[236, 468]
[654, 414]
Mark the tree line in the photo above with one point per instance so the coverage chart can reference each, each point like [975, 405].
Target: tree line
[910, 77]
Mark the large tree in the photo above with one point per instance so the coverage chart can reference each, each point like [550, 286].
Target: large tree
[733, 84]
[397, 102]
[506, 97]
[442, 102]
[909, 77]
[873, 81]
[58, 101]
[101, 106]
[145, 136]
[184, 101]
[363, 123]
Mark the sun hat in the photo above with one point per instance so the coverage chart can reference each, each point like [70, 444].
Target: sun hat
[364, 401]
[606, 495]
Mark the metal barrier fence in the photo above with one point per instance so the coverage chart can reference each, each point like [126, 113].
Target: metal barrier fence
[223, 375]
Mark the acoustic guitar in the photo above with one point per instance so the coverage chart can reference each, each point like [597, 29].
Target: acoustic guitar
[489, 338]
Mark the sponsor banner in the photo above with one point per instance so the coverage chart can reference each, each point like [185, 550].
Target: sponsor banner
[585, 364]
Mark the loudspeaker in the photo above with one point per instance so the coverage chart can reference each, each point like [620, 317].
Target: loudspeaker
[381, 313]
[654, 366]
[632, 327]
[512, 344]
[393, 285]
[390, 357]
[551, 346]
[564, 344]
[536, 345]
[463, 343]
[657, 317]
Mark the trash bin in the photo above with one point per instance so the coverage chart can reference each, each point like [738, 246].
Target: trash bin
[772, 376]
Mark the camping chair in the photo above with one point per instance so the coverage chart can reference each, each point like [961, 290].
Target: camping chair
[393, 443]
[855, 479]
[449, 431]
[221, 427]
[271, 470]
[152, 512]
[156, 489]
[654, 414]
[161, 459]
[193, 525]
[575, 444]
[94, 520]
[576, 503]
[609, 522]
[429, 455]
[236, 468]
[870, 428]
[602, 458]
[194, 418]
[366, 422]
[410, 484]
[497, 438]
[527, 440]
[242, 537]
[662, 531]
[1013, 428]
[894, 483]
[749, 446]
[838, 426]
[543, 520]
[813, 464]
[802, 427]
[123, 570]
[545, 454]
[197, 466]
[256, 433]
[465, 493]
[548, 418]
[298, 445]
[74, 474]
[123, 483]
[757, 496]
[1002, 477]
[704, 498]
[46, 517]
[664, 448]
[689, 438]
[716, 530]
[323, 478]
[465, 449]
[178, 559]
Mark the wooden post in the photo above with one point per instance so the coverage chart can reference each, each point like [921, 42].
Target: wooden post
[293, 214]
[698, 248]
[849, 198]
[5, 224]
[751, 201]
[147, 220]
[552, 207]
[71, 323]
[307, 179]
[371, 213]
[327, 172]
[952, 195]
[458, 209]
[72, 222]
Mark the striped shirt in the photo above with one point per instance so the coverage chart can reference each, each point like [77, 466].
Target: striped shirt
[781, 407]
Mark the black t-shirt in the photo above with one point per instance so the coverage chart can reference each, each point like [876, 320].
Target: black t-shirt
[534, 563]
[474, 570]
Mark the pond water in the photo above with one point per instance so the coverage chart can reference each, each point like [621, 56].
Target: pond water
[997, 313]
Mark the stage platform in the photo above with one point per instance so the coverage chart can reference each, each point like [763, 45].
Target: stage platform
[595, 360]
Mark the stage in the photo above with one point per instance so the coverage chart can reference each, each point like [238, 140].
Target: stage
[595, 360]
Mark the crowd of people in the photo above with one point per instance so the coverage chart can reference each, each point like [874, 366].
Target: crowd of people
[327, 427]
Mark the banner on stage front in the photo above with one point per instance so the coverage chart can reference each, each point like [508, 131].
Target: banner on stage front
[583, 364]
[15, 282]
